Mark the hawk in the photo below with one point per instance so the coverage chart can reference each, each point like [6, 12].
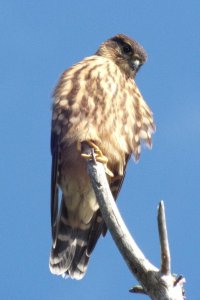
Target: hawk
[96, 101]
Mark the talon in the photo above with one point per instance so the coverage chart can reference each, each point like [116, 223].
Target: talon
[108, 171]
[98, 156]
[87, 156]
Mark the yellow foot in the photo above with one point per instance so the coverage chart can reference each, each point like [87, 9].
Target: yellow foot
[98, 156]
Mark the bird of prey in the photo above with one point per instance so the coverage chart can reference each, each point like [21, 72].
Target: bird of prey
[98, 102]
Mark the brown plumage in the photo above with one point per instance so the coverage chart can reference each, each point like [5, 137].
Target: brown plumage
[95, 100]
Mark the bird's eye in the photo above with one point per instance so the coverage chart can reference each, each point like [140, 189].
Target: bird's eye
[127, 49]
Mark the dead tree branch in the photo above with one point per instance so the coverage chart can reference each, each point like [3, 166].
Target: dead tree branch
[157, 284]
[164, 243]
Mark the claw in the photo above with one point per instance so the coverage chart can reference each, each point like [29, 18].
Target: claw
[98, 155]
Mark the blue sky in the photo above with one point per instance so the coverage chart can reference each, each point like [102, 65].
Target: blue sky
[39, 39]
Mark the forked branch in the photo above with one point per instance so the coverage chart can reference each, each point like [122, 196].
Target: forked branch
[157, 284]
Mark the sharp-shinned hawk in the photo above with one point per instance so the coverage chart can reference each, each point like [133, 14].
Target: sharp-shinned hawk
[96, 101]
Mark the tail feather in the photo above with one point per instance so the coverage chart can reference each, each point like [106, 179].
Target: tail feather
[95, 232]
[74, 239]
[73, 245]
[79, 264]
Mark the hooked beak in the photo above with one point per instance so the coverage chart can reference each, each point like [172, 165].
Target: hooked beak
[135, 64]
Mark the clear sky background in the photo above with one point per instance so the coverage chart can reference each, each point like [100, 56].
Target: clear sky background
[39, 39]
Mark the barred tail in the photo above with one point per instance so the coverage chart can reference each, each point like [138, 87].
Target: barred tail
[74, 243]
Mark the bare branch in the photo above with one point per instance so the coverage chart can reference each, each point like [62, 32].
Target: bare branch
[164, 243]
[156, 284]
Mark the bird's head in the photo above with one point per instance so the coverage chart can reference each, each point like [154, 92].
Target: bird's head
[128, 54]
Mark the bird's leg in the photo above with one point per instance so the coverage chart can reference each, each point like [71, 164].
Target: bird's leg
[97, 155]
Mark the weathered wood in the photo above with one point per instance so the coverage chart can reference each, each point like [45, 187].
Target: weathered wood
[157, 284]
